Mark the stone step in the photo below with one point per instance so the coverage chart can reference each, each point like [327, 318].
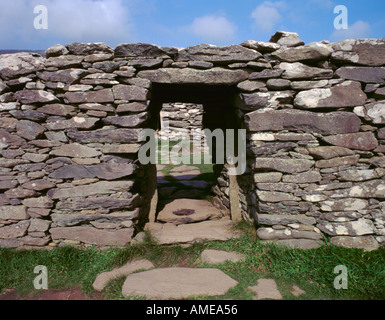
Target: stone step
[215, 230]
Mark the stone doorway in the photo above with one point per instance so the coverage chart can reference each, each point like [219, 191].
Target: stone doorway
[192, 183]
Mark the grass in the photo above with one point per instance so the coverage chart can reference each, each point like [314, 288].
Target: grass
[312, 270]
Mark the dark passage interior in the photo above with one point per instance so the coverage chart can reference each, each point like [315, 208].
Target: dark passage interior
[193, 181]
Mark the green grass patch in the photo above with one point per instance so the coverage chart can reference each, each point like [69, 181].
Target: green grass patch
[311, 270]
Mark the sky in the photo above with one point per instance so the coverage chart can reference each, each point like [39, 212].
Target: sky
[181, 23]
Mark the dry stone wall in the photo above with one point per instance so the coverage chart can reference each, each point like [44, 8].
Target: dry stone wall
[314, 114]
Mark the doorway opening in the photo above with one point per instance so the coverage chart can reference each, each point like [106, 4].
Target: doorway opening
[182, 115]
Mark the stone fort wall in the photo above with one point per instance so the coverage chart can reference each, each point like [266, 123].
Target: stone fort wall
[314, 115]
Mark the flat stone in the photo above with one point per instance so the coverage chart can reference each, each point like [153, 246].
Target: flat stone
[275, 219]
[305, 177]
[261, 46]
[347, 94]
[337, 162]
[362, 74]
[75, 150]
[367, 189]
[15, 230]
[41, 202]
[19, 64]
[35, 96]
[38, 185]
[375, 112]
[210, 53]
[266, 289]
[330, 152]
[283, 165]
[67, 76]
[220, 256]
[352, 228]
[366, 52]
[298, 70]
[39, 225]
[91, 235]
[104, 278]
[310, 52]
[344, 205]
[89, 48]
[131, 121]
[213, 76]
[29, 130]
[287, 39]
[130, 93]
[123, 136]
[273, 196]
[100, 96]
[303, 244]
[73, 123]
[358, 141]
[99, 188]
[13, 213]
[361, 175]
[216, 230]
[143, 50]
[106, 171]
[65, 61]
[324, 123]
[368, 243]
[178, 283]
[182, 211]
[258, 100]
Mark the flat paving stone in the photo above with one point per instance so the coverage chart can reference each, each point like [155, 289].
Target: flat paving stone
[181, 211]
[215, 230]
[266, 289]
[104, 278]
[177, 283]
[220, 256]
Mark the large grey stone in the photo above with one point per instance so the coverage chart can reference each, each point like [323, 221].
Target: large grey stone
[310, 52]
[130, 121]
[367, 52]
[104, 278]
[363, 74]
[375, 112]
[13, 213]
[258, 100]
[106, 136]
[273, 196]
[298, 70]
[181, 211]
[15, 230]
[131, 93]
[99, 188]
[29, 130]
[106, 171]
[347, 94]
[66, 76]
[35, 96]
[358, 141]
[360, 227]
[347, 204]
[75, 150]
[100, 96]
[210, 53]
[88, 48]
[330, 152]
[143, 50]
[368, 243]
[287, 39]
[101, 202]
[216, 230]
[19, 64]
[283, 165]
[73, 123]
[190, 76]
[324, 123]
[274, 219]
[91, 235]
[178, 283]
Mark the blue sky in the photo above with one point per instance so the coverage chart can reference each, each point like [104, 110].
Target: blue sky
[183, 23]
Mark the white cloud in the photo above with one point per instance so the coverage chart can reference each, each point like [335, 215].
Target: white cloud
[267, 15]
[68, 21]
[213, 28]
[359, 29]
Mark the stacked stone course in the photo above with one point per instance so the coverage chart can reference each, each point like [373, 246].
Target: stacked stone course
[314, 114]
